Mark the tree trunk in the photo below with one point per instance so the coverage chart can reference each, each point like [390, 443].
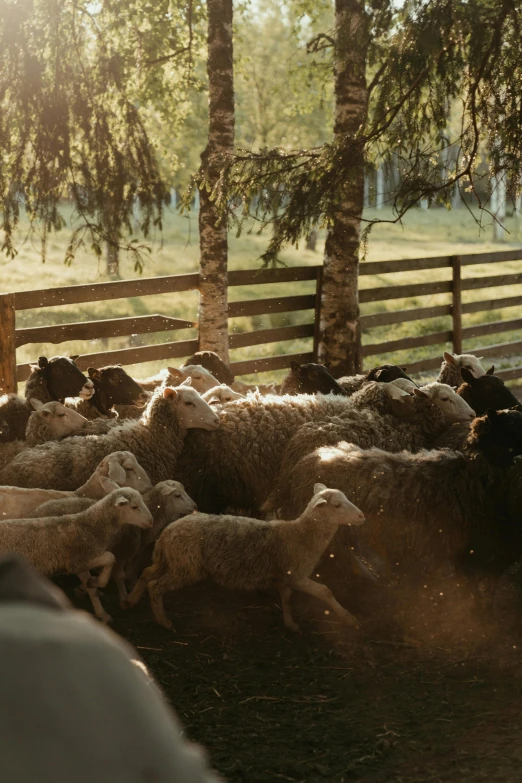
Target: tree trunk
[311, 239]
[340, 341]
[213, 303]
[113, 260]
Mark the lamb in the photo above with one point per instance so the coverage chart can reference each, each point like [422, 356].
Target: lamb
[453, 364]
[238, 465]
[156, 441]
[385, 373]
[75, 543]
[121, 467]
[50, 379]
[49, 421]
[437, 503]
[112, 386]
[249, 554]
[202, 380]
[310, 379]
[221, 394]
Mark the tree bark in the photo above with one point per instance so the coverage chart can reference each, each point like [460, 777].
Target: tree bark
[213, 303]
[113, 260]
[340, 341]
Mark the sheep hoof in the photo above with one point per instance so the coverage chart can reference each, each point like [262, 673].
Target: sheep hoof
[294, 628]
[349, 619]
[126, 603]
[92, 581]
[167, 625]
[105, 618]
[80, 591]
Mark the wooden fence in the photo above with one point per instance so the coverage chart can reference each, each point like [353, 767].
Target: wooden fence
[11, 337]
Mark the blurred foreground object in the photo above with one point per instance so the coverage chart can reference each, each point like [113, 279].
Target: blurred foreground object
[76, 703]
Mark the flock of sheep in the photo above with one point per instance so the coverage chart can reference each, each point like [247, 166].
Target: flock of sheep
[102, 476]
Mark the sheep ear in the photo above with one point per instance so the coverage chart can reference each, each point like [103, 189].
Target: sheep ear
[36, 404]
[491, 414]
[421, 393]
[327, 365]
[108, 485]
[93, 373]
[42, 362]
[214, 401]
[467, 376]
[187, 382]
[404, 369]
[319, 488]
[169, 393]
[175, 372]
[295, 367]
[491, 370]
[449, 357]
[318, 502]
[121, 501]
[116, 472]
[167, 490]
[73, 358]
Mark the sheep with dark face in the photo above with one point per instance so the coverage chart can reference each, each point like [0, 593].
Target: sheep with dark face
[210, 361]
[385, 373]
[112, 386]
[310, 379]
[486, 391]
[50, 379]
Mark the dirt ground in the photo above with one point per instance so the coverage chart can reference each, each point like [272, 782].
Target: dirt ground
[426, 690]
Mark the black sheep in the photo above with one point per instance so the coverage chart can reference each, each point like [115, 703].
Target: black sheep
[488, 391]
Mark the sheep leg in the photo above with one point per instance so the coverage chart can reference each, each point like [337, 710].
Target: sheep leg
[118, 574]
[141, 585]
[106, 560]
[94, 597]
[290, 623]
[324, 594]
[156, 604]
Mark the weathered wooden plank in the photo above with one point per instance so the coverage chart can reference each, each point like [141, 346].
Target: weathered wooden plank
[279, 275]
[262, 336]
[400, 316]
[269, 363]
[509, 375]
[407, 342]
[492, 304]
[145, 353]
[403, 265]
[456, 305]
[7, 344]
[500, 349]
[90, 330]
[491, 258]
[96, 292]
[317, 314]
[477, 330]
[404, 291]
[424, 364]
[284, 304]
[473, 283]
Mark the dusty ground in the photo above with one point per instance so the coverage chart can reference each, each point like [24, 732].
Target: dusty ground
[427, 690]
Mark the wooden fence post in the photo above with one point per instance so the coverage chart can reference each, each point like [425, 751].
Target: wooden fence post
[7, 344]
[317, 315]
[456, 305]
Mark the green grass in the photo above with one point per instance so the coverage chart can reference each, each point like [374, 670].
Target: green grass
[431, 233]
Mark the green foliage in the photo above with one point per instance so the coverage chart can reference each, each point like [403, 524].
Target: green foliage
[77, 83]
[423, 58]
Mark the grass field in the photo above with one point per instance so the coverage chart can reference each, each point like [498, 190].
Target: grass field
[430, 233]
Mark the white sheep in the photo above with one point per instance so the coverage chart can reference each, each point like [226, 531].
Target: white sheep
[202, 379]
[249, 554]
[156, 440]
[120, 466]
[221, 394]
[75, 543]
[452, 365]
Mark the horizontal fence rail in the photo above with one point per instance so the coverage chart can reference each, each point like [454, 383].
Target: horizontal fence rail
[455, 308]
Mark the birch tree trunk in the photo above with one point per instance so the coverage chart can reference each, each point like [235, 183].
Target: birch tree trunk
[340, 341]
[213, 303]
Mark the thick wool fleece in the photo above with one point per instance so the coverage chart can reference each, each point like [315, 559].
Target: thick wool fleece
[238, 464]
[156, 441]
